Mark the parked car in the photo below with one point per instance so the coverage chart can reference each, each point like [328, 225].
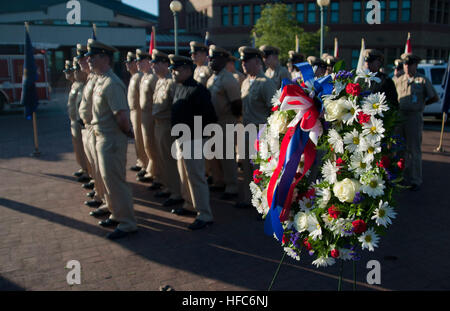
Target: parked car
[435, 73]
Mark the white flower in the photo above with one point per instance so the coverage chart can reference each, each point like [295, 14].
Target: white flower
[351, 110]
[353, 141]
[375, 104]
[367, 76]
[343, 227]
[291, 253]
[369, 240]
[324, 195]
[370, 149]
[383, 214]
[328, 220]
[256, 195]
[315, 230]
[344, 254]
[276, 98]
[301, 221]
[335, 140]
[346, 189]
[269, 167]
[373, 130]
[306, 204]
[324, 261]
[329, 170]
[339, 87]
[373, 185]
[334, 109]
[358, 165]
[277, 123]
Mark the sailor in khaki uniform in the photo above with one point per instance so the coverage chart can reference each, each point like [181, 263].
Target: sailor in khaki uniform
[135, 111]
[330, 60]
[146, 91]
[231, 67]
[112, 129]
[199, 55]
[295, 58]
[72, 107]
[162, 107]
[274, 70]
[87, 132]
[414, 92]
[319, 66]
[398, 69]
[191, 100]
[256, 92]
[226, 98]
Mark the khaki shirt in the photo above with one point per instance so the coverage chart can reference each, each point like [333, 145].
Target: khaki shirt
[163, 97]
[85, 109]
[257, 98]
[133, 90]
[413, 92]
[110, 96]
[278, 75]
[224, 89]
[202, 74]
[75, 95]
[239, 76]
[146, 90]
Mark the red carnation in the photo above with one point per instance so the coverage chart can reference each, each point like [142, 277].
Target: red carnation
[256, 176]
[307, 244]
[401, 164]
[334, 253]
[353, 89]
[385, 162]
[359, 226]
[334, 212]
[284, 239]
[363, 118]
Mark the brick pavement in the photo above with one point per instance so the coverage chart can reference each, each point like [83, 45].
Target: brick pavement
[44, 224]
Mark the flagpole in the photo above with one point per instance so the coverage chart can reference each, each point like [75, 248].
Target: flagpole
[36, 152]
[440, 148]
[154, 36]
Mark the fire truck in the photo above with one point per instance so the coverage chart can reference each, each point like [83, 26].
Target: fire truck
[11, 70]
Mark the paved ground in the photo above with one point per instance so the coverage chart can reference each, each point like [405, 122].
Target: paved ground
[44, 224]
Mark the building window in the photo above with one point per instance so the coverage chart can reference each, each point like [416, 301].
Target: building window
[439, 12]
[225, 16]
[311, 13]
[256, 13]
[334, 13]
[432, 11]
[300, 12]
[406, 10]
[357, 12]
[246, 15]
[393, 11]
[235, 15]
[355, 58]
[383, 10]
[446, 9]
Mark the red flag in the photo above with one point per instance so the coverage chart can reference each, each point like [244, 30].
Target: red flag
[152, 41]
[408, 48]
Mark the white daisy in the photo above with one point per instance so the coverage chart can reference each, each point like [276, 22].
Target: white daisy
[372, 185]
[314, 228]
[375, 104]
[367, 76]
[344, 254]
[373, 130]
[324, 195]
[335, 140]
[339, 87]
[369, 240]
[324, 262]
[343, 227]
[256, 195]
[351, 110]
[353, 141]
[370, 149]
[291, 253]
[383, 214]
[328, 220]
[358, 165]
[276, 98]
[329, 171]
[269, 167]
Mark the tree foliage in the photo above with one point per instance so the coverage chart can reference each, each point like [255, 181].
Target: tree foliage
[278, 26]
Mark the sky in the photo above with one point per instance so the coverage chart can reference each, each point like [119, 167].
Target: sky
[150, 6]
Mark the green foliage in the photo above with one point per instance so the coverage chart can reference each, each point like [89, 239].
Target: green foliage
[278, 27]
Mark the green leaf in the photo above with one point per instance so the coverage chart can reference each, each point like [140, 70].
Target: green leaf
[340, 65]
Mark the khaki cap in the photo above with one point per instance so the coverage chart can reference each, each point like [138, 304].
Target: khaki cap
[315, 61]
[330, 60]
[398, 63]
[131, 57]
[81, 50]
[178, 60]
[370, 55]
[197, 47]
[269, 50]
[67, 66]
[75, 64]
[296, 57]
[217, 51]
[97, 47]
[158, 56]
[409, 58]
[140, 55]
[248, 52]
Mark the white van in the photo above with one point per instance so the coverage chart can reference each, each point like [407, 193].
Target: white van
[435, 73]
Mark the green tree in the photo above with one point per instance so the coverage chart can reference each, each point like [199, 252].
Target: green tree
[278, 27]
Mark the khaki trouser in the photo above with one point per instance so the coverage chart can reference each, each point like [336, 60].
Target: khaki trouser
[141, 156]
[169, 173]
[91, 154]
[224, 171]
[194, 187]
[148, 134]
[77, 142]
[248, 169]
[112, 160]
[411, 129]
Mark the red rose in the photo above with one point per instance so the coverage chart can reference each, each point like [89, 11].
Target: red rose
[359, 226]
[334, 212]
[307, 244]
[334, 253]
[401, 164]
[353, 89]
[363, 118]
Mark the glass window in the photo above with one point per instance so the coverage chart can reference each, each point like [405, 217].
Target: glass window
[256, 13]
[300, 12]
[355, 58]
[446, 9]
[393, 11]
[225, 16]
[334, 13]
[437, 74]
[421, 71]
[235, 15]
[439, 12]
[432, 11]
[59, 60]
[383, 10]
[246, 15]
[311, 12]
[406, 10]
[357, 12]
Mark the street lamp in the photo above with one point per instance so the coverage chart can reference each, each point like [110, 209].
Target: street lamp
[175, 7]
[322, 3]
